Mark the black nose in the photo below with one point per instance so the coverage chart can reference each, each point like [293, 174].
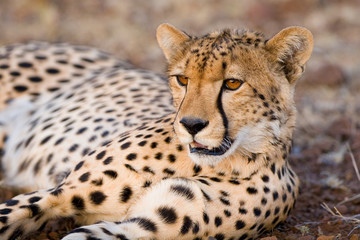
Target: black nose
[193, 125]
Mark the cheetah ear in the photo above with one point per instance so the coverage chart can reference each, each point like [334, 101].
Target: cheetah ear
[292, 48]
[170, 39]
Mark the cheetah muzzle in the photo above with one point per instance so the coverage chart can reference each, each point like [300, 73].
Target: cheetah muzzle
[198, 148]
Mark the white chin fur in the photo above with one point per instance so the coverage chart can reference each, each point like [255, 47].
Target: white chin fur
[203, 159]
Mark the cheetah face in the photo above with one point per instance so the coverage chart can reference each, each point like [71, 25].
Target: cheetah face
[233, 91]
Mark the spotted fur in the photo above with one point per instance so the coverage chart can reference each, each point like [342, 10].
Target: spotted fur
[106, 149]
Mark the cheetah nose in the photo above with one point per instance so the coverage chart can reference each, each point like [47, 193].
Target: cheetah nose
[193, 125]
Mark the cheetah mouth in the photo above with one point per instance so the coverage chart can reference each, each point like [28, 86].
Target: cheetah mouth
[199, 148]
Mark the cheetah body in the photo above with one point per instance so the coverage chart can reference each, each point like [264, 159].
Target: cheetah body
[76, 98]
[216, 167]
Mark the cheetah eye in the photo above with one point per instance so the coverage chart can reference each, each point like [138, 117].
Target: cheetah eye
[183, 81]
[232, 84]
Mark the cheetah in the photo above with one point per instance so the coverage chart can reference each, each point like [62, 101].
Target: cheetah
[215, 166]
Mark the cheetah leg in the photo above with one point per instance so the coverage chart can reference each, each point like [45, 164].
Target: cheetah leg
[22, 214]
[29, 212]
[172, 209]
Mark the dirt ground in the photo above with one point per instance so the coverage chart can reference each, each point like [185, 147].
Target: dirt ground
[327, 97]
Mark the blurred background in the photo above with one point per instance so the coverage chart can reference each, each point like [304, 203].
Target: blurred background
[127, 27]
[327, 97]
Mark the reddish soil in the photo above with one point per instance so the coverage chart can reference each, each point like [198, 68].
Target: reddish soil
[327, 97]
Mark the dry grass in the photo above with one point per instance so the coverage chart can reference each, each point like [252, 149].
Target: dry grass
[355, 219]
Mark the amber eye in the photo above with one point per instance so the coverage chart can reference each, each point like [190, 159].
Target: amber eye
[183, 81]
[233, 84]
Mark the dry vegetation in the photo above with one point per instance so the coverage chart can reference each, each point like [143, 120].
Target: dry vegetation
[327, 97]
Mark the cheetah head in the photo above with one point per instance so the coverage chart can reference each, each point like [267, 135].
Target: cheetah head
[233, 90]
